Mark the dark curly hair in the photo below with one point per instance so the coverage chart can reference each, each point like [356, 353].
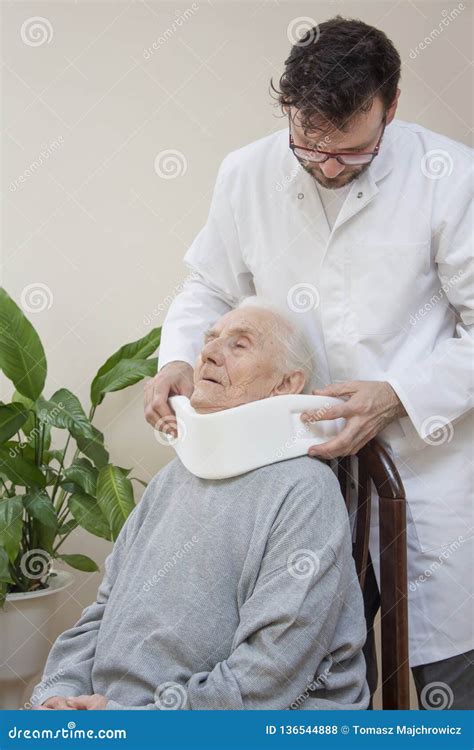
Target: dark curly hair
[335, 70]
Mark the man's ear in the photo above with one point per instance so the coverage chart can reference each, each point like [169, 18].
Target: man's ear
[294, 382]
[390, 114]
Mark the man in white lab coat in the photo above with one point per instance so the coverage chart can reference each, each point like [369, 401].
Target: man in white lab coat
[360, 225]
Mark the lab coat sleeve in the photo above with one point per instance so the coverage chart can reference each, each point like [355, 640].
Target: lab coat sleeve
[69, 665]
[288, 619]
[439, 389]
[218, 279]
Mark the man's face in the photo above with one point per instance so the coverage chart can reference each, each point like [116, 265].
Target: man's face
[361, 133]
[239, 362]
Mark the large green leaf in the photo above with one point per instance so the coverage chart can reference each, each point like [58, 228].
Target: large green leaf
[92, 446]
[19, 470]
[65, 411]
[22, 356]
[11, 525]
[5, 576]
[115, 497]
[140, 349]
[40, 506]
[80, 562]
[124, 373]
[30, 423]
[86, 510]
[12, 417]
[83, 474]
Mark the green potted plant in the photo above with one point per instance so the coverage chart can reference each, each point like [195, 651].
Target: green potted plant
[45, 491]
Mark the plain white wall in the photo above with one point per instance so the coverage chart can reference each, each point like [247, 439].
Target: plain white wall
[91, 98]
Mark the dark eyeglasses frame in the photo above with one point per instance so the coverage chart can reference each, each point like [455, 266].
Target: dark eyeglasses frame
[336, 155]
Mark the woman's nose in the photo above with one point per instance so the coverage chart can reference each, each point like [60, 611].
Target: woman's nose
[212, 352]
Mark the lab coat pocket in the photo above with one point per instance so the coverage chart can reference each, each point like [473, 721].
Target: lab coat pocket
[384, 282]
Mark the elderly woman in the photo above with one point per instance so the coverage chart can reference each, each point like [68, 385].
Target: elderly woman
[232, 594]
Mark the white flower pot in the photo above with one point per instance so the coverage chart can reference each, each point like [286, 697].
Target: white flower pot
[25, 637]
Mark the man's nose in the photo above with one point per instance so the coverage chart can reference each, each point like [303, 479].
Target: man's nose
[332, 168]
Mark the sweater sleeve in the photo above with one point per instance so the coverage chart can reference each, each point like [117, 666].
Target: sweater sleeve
[69, 665]
[288, 621]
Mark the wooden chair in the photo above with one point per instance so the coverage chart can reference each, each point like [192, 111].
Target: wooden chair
[375, 465]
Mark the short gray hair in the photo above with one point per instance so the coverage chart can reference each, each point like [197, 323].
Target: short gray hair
[296, 352]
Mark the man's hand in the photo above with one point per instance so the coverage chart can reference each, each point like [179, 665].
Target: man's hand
[96, 702]
[175, 378]
[370, 406]
[55, 703]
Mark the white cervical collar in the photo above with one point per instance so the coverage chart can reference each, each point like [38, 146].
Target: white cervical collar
[233, 441]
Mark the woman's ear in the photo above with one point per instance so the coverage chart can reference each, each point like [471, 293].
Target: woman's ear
[294, 382]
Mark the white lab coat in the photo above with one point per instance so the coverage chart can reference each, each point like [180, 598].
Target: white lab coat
[386, 295]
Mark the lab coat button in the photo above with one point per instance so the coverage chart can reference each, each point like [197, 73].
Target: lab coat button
[359, 195]
[300, 196]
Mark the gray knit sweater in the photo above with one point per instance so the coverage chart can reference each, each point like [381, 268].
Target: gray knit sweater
[224, 594]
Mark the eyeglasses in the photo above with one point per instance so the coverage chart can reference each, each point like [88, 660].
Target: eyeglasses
[348, 158]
